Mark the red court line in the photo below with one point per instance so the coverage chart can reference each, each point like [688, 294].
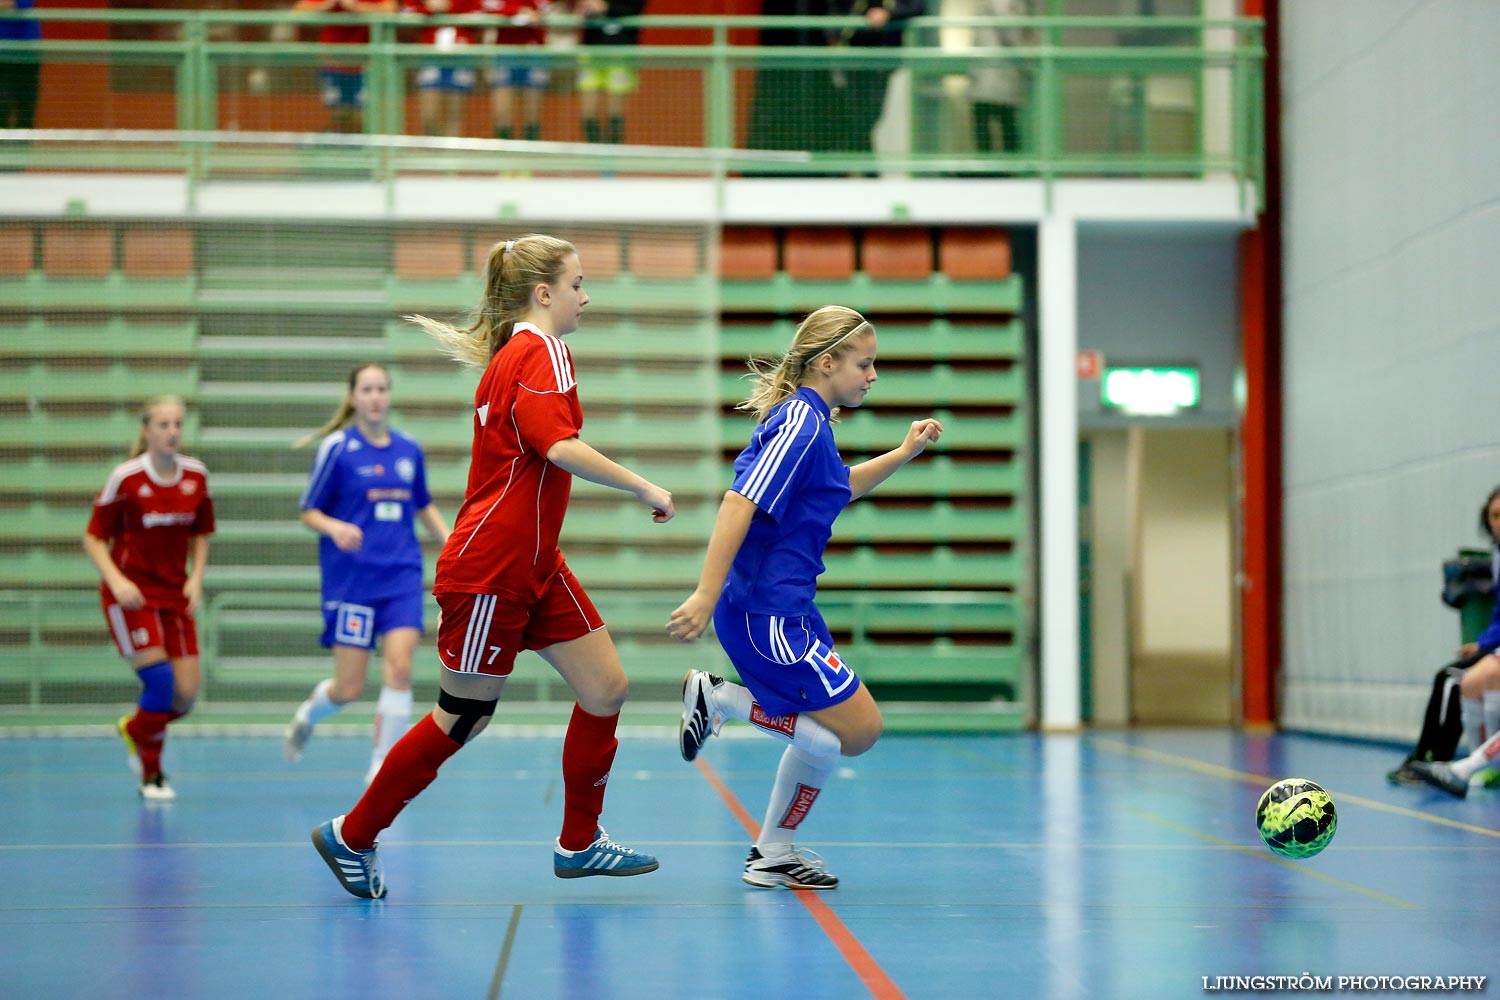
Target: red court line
[869, 971]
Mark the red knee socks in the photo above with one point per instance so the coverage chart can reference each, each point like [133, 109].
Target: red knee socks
[410, 767]
[149, 731]
[588, 753]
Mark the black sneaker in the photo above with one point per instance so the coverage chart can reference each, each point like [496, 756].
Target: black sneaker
[1440, 775]
[1404, 775]
[700, 716]
[795, 870]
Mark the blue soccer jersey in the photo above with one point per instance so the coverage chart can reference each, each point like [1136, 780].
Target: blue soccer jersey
[792, 472]
[380, 489]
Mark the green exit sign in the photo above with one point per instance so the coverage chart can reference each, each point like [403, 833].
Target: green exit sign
[1150, 390]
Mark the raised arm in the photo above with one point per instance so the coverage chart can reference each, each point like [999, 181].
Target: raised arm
[573, 455]
[865, 476]
[690, 620]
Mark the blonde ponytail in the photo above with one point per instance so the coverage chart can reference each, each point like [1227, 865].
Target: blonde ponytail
[511, 271]
[825, 331]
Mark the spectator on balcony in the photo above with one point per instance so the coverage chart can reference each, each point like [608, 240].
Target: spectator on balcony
[859, 90]
[443, 89]
[342, 83]
[521, 72]
[602, 71]
[20, 72]
[999, 89]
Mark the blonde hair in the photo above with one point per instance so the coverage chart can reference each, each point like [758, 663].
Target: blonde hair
[828, 330]
[344, 415]
[512, 270]
[149, 406]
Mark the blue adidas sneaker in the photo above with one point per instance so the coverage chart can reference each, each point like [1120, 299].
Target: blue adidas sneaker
[602, 857]
[357, 871]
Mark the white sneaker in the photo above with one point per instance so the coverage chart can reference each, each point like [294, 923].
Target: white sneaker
[701, 717]
[793, 870]
[156, 789]
[298, 732]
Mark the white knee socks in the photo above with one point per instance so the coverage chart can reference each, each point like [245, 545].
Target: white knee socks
[317, 706]
[1473, 720]
[392, 720]
[798, 729]
[799, 779]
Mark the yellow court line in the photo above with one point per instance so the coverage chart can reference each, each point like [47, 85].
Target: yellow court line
[1262, 781]
[1263, 855]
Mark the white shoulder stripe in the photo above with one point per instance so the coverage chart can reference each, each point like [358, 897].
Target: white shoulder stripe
[558, 353]
[323, 465]
[111, 490]
[768, 463]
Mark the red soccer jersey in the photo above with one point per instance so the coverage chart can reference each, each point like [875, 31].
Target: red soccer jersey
[529, 11]
[150, 521]
[448, 35]
[504, 540]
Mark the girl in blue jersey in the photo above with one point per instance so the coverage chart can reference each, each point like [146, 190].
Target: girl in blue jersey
[760, 577]
[367, 490]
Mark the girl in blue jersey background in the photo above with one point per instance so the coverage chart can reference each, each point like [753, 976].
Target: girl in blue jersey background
[760, 577]
[367, 490]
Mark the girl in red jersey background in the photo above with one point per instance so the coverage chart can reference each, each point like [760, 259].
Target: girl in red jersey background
[148, 537]
[502, 584]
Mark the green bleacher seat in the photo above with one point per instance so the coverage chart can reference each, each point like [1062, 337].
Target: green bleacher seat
[865, 431]
[938, 385]
[116, 428]
[119, 383]
[936, 340]
[56, 339]
[783, 294]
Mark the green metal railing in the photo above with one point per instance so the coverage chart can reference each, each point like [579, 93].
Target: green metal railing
[1071, 90]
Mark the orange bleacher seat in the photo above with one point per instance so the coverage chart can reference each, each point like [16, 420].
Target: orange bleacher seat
[157, 252]
[600, 251]
[666, 254]
[428, 254]
[747, 254]
[15, 250]
[903, 254]
[73, 250]
[819, 254]
[975, 254]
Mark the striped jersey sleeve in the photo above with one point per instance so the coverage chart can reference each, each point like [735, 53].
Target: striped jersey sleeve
[767, 472]
[323, 484]
[545, 410]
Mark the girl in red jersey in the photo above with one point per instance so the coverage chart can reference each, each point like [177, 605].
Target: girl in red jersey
[150, 522]
[502, 584]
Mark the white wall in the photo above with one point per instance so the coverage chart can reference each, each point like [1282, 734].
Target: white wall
[1391, 136]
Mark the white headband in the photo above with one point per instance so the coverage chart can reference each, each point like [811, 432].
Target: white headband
[509, 244]
[862, 325]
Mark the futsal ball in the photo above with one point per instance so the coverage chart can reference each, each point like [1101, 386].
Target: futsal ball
[1296, 818]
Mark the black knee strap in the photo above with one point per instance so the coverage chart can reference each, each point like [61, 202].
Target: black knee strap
[469, 712]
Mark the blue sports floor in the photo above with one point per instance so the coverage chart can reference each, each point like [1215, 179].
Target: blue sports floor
[1101, 865]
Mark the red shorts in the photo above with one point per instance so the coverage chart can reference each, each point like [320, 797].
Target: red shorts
[148, 627]
[482, 633]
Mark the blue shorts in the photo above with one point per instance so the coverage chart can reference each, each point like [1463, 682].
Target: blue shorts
[520, 73]
[459, 79]
[357, 625]
[342, 88]
[789, 664]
